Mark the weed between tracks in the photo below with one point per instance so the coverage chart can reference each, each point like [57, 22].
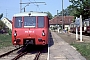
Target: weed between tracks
[5, 40]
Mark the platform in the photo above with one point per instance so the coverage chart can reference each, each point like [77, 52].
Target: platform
[60, 50]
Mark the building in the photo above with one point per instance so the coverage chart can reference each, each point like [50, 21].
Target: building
[7, 22]
[57, 21]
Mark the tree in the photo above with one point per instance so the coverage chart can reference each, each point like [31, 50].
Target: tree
[2, 25]
[1, 15]
[69, 11]
[49, 15]
[81, 7]
[65, 12]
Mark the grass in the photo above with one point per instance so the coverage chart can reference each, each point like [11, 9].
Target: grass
[5, 40]
[83, 48]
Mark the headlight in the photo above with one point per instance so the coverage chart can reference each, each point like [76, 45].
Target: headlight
[43, 34]
[15, 34]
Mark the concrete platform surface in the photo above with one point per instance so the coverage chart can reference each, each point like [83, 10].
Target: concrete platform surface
[60, 50]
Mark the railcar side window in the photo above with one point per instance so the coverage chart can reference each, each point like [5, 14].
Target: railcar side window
[29, 21]
[18, 22]
[40, 22]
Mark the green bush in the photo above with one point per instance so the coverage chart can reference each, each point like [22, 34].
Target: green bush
[9, 31]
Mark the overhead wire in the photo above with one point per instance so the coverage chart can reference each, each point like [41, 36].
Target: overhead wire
[36, 4]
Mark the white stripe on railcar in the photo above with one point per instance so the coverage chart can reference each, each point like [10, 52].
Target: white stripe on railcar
[32, 14]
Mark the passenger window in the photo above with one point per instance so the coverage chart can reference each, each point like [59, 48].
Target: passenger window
[29, 21]
[40, 22]
[18, 22]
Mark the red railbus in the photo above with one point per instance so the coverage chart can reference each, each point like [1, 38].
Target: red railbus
[30, 28]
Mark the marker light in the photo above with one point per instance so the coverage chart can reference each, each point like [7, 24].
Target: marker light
[43, 34]
[15, 34]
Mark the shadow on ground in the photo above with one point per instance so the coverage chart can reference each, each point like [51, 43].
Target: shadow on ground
[32, 49]
[51, 42]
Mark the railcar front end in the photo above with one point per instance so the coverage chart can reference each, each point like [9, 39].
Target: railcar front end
[30, 30]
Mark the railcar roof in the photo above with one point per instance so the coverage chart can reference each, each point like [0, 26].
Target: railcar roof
[31, 14]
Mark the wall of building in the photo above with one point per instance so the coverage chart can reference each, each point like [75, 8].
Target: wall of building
[67, 26]
[7, 23]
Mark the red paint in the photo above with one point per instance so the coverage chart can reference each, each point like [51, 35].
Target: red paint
[23, 33]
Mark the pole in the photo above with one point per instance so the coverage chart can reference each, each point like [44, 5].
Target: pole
[57, 21]
[57, 17]
[24, 9]
[76, 31]
[6, 12]
[62, 15]
[20, 6]
[80, 28]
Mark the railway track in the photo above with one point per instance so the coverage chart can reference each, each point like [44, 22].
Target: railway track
[30, 55]
[37, 56]
[19, 55]
[7, 53]
[24, 53]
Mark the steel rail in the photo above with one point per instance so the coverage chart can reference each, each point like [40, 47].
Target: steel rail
[19, 55]
[37, 56]
[7, 53]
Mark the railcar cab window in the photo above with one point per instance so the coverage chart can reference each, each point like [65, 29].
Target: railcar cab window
[29, 21]
[40, 22]
[18, 22]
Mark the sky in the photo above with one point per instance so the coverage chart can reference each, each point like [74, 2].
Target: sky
[11, 7]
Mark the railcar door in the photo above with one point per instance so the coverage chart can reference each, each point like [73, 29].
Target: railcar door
[29, 26]
[16, 31]
[41, 31]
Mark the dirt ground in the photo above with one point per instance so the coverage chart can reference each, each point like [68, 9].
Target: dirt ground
[71, 38]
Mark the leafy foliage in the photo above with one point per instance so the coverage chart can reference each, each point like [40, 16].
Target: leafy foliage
[65, 12]
[1, 15]
[81, 7]
[9, 31]
[49, 15]
[77, 8]
[69, 11]
[2, 25]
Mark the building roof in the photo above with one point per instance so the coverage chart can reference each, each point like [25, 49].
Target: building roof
[7, 19]
[30, 13]
[58, 20]
[10, 21]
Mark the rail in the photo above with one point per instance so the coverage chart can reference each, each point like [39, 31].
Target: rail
[19, 55]
[7, 53]
[37, 56]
